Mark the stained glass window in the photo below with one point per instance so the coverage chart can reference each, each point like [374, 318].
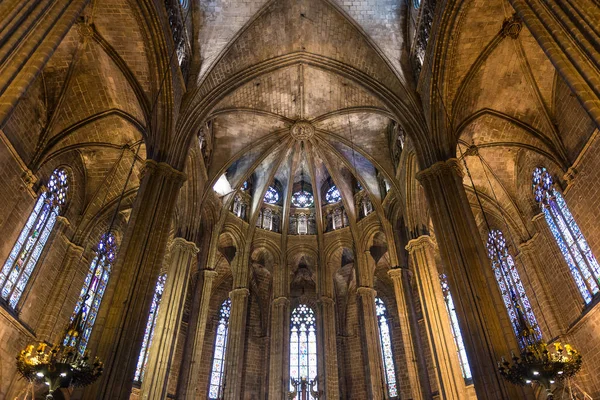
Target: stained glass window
[272, 195]
[417, 3]
[386, 348]
[92, 291]
[333, 195]
[568, 236]
[302, 199]
[215, 389]
[150, 325]
[511, 287]
[456, 334]
[303, 345]
[244, 186]
[25, 253]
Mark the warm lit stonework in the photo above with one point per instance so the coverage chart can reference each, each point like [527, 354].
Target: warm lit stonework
[299, 199]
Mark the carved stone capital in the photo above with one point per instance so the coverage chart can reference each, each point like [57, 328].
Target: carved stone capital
[170, 173]
[570, 176]
[423, 241]
[281, 301]
[327, 300]
[239, 293]
[29, 180]
[528, 245]
[440, 168]
[365, 291]
[538, 217]
[209, 274]
[185, 245]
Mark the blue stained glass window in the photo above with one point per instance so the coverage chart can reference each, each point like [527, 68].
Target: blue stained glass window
[333, 195]
[272, 195]
[456, 334]
[386, 348]
[303, 345]
[302, 199]
[150, 325]
[29, 246]
[568, 236]
[215, 388]
[511, 287]
[92, 291]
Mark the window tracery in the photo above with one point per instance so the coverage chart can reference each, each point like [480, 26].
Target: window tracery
[511, 287]
[150, 326]
[386, 348]
[29, 246]
[333, 195]
[92, 291]
[303, 345]
[271, 196]
[573, 245]
[215, 389]
[302, 199]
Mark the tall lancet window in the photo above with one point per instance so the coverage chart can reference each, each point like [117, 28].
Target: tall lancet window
[303, 345]
[514, 296]
[456, 334]
[25, 253]
[92, 291]
[150, 325]
[386, 348]
[570, 240]
[215, 389]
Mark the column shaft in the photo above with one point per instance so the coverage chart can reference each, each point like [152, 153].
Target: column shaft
[137, 267]
[465, 259]
[236, 343]
[437, 323]
[279, 349]
[329, 339]
[166, 332]
[369, 330]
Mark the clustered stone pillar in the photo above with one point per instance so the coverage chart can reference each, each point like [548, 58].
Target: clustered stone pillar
[236, 341]
[370, 339]
[463, 254]
[559, 25]
[137, 267]
[279, 348]
[437, 323]
[190, 368]
[401, 291]
[331, 384]
[156, 376]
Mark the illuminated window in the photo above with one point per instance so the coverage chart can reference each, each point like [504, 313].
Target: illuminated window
[510, 285]
[92, 291]
[570, 240]
[303, 345]
[272, 195]
[333, 195]
[456, 334]
[215, 390]
[150, 325]
[302, 199]
[417, 3]
[386, 348]
[29, 246]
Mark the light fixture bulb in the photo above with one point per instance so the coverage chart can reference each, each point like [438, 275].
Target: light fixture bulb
[40, 374]
[536, 373]
[63, 374]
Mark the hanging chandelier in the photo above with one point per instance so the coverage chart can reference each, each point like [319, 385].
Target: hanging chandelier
[59, 366]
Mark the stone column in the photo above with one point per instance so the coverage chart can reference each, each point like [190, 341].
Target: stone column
[279, 348]
[236, 344]
[162, 350]
[566, 32]
[329, 340]
[369, 330]
[463, 254]
[31, 32]
[437, 322]
[137, 267]
[401, 291]
[190, 368]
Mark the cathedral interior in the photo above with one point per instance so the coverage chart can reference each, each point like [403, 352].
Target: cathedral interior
[299, 199]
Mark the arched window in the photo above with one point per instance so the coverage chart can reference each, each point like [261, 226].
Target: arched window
[303, 345]
[150, 325]
[570, 240]
[25, 253]
[92, 291]
[456, 334]
[511, 287]
[386, 348]
[333, 195]
[215, 388]
[302, 199]
[271, 196]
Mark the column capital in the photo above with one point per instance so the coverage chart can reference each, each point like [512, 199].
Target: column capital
[281, 301]
[396, 273]
[538, 217]
[528, 245]
[151, 167]
[239, 292]
[365, 291]
[327, 300]
[209, 273]
[418, 243]
[451, 165]
[184, 245]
